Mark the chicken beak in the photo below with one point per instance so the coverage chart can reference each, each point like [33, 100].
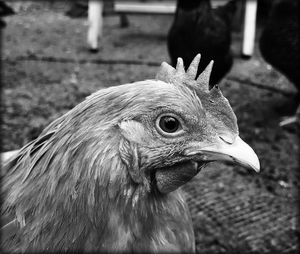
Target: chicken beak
[237, 151]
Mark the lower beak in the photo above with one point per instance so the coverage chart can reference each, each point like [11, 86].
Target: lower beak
[238, 152]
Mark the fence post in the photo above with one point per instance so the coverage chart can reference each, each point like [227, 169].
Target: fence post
[249, 28]
[95, 24]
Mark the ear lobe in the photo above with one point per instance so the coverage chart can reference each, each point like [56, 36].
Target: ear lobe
[130, 157]
[133, 134]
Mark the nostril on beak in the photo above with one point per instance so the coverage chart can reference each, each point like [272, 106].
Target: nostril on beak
[227, 139]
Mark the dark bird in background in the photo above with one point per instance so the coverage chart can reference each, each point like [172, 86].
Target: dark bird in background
[5, 10]
[279, 42]
[78, 9]
[106, 175]
[198, 28]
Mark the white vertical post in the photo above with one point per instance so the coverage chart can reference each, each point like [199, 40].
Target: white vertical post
[95, 23]
[249, 28]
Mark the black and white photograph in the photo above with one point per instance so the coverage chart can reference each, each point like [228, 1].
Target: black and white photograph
[150, 126]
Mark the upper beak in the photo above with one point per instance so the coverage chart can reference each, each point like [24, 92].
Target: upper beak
[222, 150]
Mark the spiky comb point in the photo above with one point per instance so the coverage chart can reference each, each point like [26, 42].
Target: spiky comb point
[169, 74]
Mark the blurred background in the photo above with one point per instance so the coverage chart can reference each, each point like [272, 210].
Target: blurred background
[48, 67]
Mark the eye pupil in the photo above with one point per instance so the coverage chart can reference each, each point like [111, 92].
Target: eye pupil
[169, 124]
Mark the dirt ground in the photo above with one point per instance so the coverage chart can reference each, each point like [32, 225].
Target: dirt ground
[47, 70]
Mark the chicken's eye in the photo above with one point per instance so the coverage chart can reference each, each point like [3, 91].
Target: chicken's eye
[169, 124]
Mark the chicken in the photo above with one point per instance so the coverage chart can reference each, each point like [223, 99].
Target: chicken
[106, 176]
[279, 42]
[197, 28]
